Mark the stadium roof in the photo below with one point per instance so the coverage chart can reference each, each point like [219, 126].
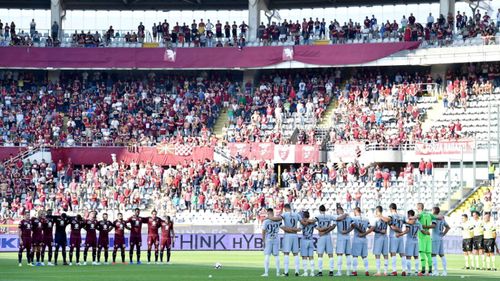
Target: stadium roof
[194, 4]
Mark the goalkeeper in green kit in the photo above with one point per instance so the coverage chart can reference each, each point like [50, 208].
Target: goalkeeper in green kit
[424, 240]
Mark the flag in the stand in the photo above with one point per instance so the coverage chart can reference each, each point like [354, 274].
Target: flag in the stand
[169, 55]
[183, 149]
[288, 53]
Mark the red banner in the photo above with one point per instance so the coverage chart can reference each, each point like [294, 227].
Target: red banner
[348, 151]
[93, 155]
[306, 153]
[444, 147]
[277, 153]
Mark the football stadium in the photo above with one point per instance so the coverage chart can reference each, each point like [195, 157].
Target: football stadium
[249, 139]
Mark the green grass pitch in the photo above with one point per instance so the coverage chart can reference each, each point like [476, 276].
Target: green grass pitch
[199, 266]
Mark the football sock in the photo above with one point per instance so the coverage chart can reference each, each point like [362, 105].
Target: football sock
[20, 255]
[277, 261]
[386, 265]
[349, 263]
[320, 264]
[339, 264]
[403, 263]
[286, 262]
[311, 263]
[168, 254]
[297, 263]
[331, 264]
[42, 255]
[377, 265]
[434, 263]
[444, 263]
[355, 264]
[156, 255]
[50, 253]
[149, 255]
[365, 261]
[304, 265]
[393, 263]
[266, 264]
[161, 255]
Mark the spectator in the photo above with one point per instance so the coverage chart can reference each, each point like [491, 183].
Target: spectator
[55, 30]
[32, 27]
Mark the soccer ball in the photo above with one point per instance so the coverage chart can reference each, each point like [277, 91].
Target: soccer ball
[218, 265]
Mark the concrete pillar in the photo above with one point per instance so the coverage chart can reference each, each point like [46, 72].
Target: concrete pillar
[56, 15]
[254, 9]
[446, 7]
[53, 75]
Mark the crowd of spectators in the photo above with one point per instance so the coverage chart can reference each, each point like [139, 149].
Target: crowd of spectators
[204, 33]
[100, 108]
[296, 98]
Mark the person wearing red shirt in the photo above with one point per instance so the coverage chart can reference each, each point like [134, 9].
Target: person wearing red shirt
[386, 176]
[421, 166]
[119, 242]
[37, 236]
[135, 223]
[428, 168]
[167, 238]
[25, 239]
[154, 224]
[104, 227]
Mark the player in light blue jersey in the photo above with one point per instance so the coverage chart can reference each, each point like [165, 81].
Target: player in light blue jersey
[343, 242]
[439, 230]
[307, 244]
[396, 244]
[412, 229]
[270, 230]
[325, 227]
[359, 243]
[380, 242]
[291, 239]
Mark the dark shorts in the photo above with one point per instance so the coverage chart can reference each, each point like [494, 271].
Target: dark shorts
[166, 243]
[153, 240]
[26, 243]
[467, 245]
[103, 241]
[119, 241]
[61, 240]
[48, 240]
[491, 177]
[478, 243]
[489, 246]
[37, 240]
[91, 241]
[135, 240]
[75, 241]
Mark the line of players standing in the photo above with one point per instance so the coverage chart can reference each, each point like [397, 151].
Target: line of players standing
[36, 236]
[416, 228]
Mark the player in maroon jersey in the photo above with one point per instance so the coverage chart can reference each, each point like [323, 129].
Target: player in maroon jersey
[154, 224]
[119, 241]
[25, 239]
[90, 226]
[104, 228]
[48, 238]
[75, 238]
[135, 223]
[167, 238]
[37, 236]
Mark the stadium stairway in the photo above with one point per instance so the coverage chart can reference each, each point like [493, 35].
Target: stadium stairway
[326, 121]
[462, 203]
[433, 114]
[219, 124]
